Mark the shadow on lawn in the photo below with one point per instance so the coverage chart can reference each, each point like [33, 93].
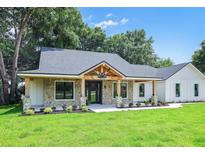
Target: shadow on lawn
[11, 109]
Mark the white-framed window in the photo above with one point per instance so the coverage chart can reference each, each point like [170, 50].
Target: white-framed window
[141, 90]
[196, 90]
[178, 89]
[124, 90]
[64, 90]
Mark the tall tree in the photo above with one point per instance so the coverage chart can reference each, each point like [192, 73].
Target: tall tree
[24, 16]
[6, 50]
[198, 58]
[133, 46]
[92, 39]
[5, 81]
[163, 62]
[57, 27]
[24, 29]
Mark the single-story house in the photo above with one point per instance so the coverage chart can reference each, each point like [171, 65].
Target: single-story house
[68, 76]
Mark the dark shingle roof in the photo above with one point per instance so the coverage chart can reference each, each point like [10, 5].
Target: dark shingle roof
[74, 62]
[167, 72]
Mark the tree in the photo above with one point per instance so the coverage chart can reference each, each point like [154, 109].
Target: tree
[24, 29]
[163, 62]
[198, 58]
[92, 39]
[5, 81]
[57, 27]
[133, 46]
[24, 16]
[7, 37]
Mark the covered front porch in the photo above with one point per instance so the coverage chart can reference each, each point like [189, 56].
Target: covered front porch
[101, 84]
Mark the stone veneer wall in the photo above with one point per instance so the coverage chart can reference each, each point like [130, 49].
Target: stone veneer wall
[49, 93]
[107, 92]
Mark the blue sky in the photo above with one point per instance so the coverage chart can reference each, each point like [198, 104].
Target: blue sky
[177, 32]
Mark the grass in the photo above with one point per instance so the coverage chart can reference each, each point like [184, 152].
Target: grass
[164, 127]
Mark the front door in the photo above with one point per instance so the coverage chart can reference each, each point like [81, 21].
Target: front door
[93, 91]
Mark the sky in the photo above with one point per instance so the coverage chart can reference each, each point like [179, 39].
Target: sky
[177, 32]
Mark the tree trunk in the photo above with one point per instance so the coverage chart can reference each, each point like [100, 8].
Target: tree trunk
[22, 28]
[5, 81]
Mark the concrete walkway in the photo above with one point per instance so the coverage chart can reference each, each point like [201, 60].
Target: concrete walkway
[112, 108]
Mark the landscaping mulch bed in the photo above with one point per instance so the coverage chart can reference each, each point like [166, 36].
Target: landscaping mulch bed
[59, 112]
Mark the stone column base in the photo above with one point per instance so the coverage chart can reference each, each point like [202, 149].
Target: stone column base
[154, 99]
[119, 101]
[83, 101]
[26, 102]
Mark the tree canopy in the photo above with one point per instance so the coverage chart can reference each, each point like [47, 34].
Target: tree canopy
[198, 58]
[24, 30]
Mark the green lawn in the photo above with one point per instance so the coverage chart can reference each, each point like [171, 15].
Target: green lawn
[164, 127]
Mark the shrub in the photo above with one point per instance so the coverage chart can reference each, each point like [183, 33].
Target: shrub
[29, 112]
[164, 103]
[54, 108]
[138, 104]
[146, 102]
[69, 109]
[64, 106]
[122, 105]
[48, 110]
[84, 108]
[74, 107]
[130, 104]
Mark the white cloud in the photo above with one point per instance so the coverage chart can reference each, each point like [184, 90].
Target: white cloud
[109, 23]
[124, 21]
[106, 23]
[89, 18]
[109, 15]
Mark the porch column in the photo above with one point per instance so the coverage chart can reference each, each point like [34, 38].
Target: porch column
[82, 98]
[26, 99]
[154, 91]
[83, 87]
[119, 88]
[27, 87]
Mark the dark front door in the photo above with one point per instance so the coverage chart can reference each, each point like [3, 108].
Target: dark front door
[93, 91]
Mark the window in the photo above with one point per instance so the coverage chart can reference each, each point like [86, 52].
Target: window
[141, 90]
[177, 90]
[196, 90]
[64, 90]
[123, 90]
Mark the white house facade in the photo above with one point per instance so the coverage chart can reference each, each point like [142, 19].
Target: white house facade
[71, 77]
[187, 84]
